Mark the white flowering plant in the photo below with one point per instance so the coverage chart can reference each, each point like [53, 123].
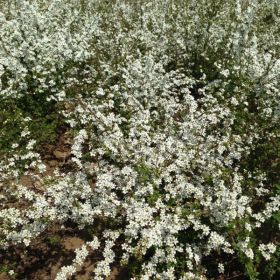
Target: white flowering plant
[150, 128]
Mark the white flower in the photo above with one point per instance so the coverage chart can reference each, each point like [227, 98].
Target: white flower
[267, 250]
[225, 73]
[100, 92]
[31, 144]
[26, 242]
[234, 101]
[221, 268]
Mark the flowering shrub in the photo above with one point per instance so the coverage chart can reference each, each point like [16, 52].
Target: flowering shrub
[172, 110]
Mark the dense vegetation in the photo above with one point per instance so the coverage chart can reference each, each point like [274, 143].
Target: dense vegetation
[151, 128]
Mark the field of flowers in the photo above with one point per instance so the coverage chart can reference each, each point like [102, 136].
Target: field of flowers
[139, 139]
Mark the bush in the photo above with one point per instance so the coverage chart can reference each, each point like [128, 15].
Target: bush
[174, 111]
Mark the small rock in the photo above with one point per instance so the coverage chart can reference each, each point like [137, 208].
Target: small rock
[53, 163]
[61, 155]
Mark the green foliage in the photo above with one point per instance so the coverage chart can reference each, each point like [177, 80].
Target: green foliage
[272, 269]
[145, 173]
[4, 268]
[53, 240]
[153, 198]
[43, 124]
[11, 123]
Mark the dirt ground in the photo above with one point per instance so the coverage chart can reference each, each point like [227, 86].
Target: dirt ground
[48, 253]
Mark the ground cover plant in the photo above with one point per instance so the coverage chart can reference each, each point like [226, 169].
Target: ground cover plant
[139, 139]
